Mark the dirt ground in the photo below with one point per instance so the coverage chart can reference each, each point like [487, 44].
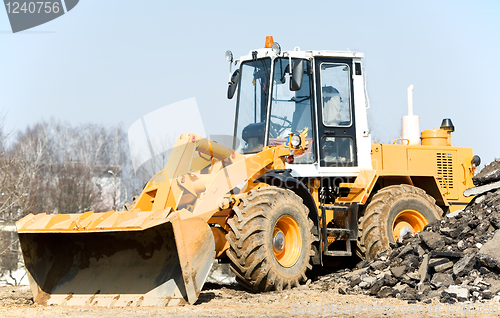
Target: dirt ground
[315, 300]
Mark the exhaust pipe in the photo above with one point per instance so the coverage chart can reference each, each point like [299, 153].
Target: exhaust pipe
[411, 123]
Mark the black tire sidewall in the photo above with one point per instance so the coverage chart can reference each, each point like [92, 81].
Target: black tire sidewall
[417, 204]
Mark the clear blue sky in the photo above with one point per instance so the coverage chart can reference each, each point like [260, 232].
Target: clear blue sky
[115, 61]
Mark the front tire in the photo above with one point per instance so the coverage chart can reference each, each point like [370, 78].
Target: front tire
[270, 240]
[392, 212]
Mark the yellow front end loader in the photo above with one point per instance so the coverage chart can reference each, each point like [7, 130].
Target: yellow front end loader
[304, 187]
[157, 254]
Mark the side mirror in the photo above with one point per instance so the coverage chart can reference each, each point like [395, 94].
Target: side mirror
[233, 84]
[297, 74]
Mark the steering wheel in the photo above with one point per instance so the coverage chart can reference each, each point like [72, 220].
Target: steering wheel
[277, 129]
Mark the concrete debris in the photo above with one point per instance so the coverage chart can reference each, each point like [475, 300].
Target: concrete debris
[433, 240]
[438, 261]
[455, 259]
[398, 271]
[459, 292]
[443, 267]
[369, 279]
[489, 253]
[423, 270]
[464, 265]
[364, 285]
[489, 174]
[385, 292]
[442, 279]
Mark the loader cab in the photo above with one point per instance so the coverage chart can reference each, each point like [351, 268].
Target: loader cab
[268, 109]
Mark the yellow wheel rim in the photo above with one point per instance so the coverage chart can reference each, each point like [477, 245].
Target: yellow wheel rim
[408, 221]
[286, 241]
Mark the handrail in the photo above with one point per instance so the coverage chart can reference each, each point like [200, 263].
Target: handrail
[402, 139]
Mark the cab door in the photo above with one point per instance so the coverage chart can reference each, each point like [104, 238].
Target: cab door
[336, 122]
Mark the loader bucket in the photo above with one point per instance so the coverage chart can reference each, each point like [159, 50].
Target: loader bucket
[128, 258]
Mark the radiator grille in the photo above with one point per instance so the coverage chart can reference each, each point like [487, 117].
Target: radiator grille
[445, 169]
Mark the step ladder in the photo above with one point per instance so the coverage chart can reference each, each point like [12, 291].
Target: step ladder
[326, 231]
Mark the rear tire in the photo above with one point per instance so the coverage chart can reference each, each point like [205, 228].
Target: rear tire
[270, 240]
[391, 213]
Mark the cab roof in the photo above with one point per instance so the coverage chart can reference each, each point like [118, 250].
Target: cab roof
[297, 53]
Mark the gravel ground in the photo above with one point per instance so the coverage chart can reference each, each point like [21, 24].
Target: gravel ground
[318, 299]
[327, 296]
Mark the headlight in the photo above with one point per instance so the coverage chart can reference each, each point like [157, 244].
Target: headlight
[476, 161]
[295, 141]
[229, 56]
[276, 48]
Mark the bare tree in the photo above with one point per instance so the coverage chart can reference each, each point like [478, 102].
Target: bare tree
[57, 168]
[54, 167]
[19, 164]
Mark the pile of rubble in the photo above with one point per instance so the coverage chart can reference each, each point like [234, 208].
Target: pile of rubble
[489, 174]
[455, 259]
